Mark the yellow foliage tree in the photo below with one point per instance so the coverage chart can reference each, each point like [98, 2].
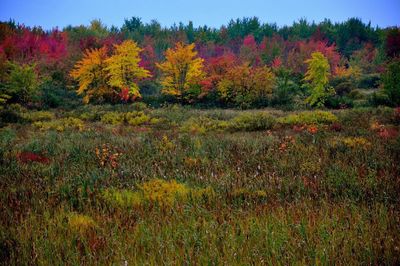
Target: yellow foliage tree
[182, 70]
[123, 67]
[92, 75]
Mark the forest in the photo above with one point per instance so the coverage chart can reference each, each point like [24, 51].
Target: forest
[247, 144]
[246, 64]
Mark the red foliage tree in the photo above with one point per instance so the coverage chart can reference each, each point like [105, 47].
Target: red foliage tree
[249, 51]
[216, 68]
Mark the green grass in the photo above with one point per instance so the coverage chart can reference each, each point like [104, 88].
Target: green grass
[253, 191]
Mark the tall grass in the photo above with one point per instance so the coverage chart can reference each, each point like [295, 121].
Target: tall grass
[260, 192]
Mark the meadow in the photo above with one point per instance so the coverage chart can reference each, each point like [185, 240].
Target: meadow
[134, 185]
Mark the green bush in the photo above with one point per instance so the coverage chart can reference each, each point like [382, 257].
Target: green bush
[136, 118]
[370, 81]
[35, 116]
[21, 83]
[379, 98]
[60, 124]
[113, 118]
[202, 124]
[308, 117]
[391, 82]
[251, 122]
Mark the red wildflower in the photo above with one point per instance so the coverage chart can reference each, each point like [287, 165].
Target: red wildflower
[312, 129]
[276, 63]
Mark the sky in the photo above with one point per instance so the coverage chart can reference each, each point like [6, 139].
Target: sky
[213, 13]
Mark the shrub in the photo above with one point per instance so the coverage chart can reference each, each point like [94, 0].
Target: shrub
[251, 122]
[22, 82]
[122, 198]
[202, 124]
[243, 194]
[339, 102]
[113, 118]
[136, 118]
[38, 116]
[158, 191]
[351, 143]
[308, 118]
[12, 113]
[80, 224]
[379, 98]
[341, 183]
[370, 81]
[60, 124]
[391, 82]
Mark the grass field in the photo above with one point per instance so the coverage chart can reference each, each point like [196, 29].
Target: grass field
[133, 185]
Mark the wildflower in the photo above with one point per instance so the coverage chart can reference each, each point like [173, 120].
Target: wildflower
[165, 144]
[312, 129]
[105, 156]
[285, 144]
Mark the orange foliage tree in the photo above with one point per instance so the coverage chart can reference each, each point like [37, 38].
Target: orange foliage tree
[91, 74]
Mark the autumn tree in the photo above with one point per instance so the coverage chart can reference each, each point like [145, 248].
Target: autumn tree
[182, 71]
[91, 74]
[249, 51]
[123, 68]
[216, 68]
[243, 85]
[317, 76]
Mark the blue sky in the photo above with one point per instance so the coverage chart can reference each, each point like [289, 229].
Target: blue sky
[51, 13]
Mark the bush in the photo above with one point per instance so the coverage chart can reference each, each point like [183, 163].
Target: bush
[21, 83]
[370, 81]
[342, 85]
[337, 102]
[12, 114]
[156, 191]
[38, 116]
[60, 124]
[308, 118]
[202, 124]
[379, 98]
[391, 82]
[54, 94]
[251, 122]
[113, 118]
[136, 118]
